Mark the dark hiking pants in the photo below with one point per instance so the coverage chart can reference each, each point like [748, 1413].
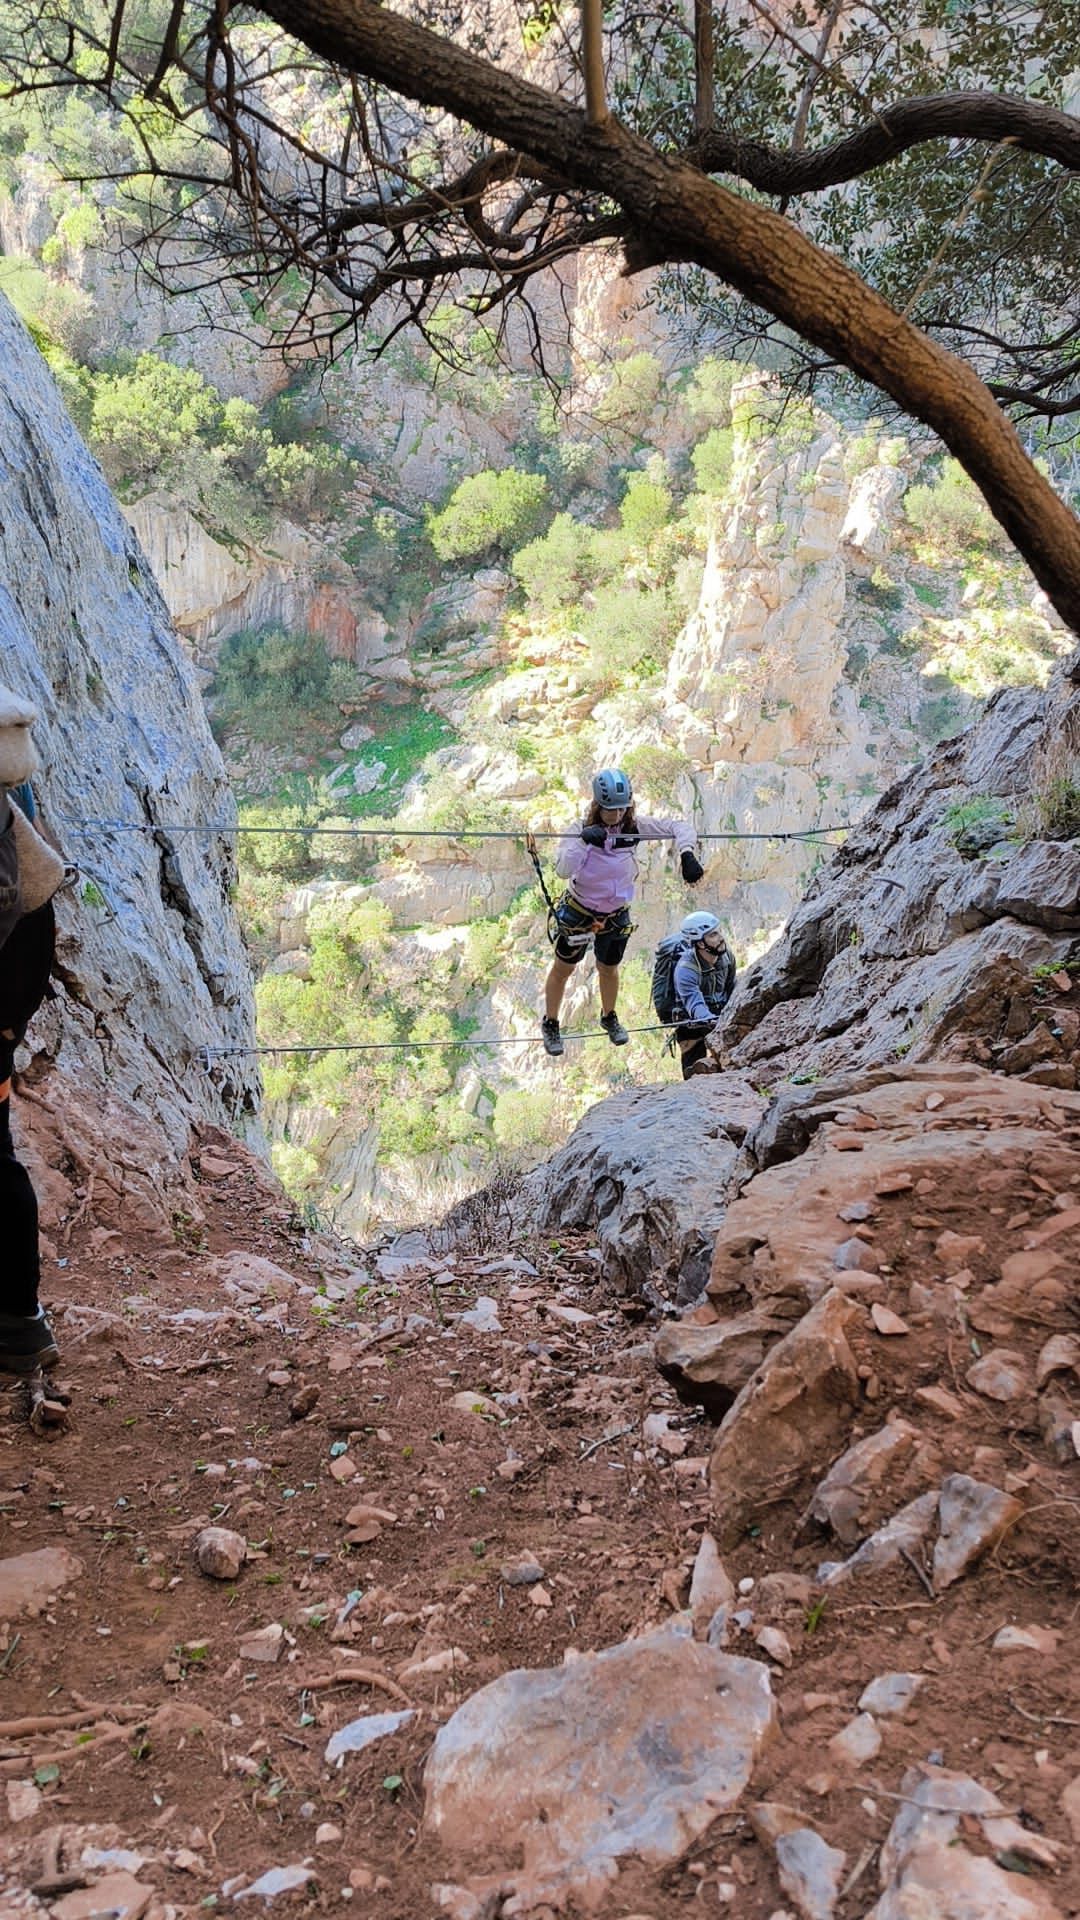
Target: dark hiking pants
[20, 1269]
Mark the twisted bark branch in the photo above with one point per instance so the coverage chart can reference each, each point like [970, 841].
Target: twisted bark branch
[943, 116]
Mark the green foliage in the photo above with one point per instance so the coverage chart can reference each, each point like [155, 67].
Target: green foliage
[975, 826]
[523, 1119]
[708, 393]
[630, 632]
[1057, 805]
[554, 569]
[645, 508]
[141, 420]
[296, 1167]
[862, 450]
[79, 227]
[150, 421]
[278, 851]
[490, 512]
[950, 512]
[304, 481]
[282, 689]
[403, 743]
[630, 395]
[657, 772]
[25, 285]
[538, 23]
[880, 590]
[712, 460]
[990, 647]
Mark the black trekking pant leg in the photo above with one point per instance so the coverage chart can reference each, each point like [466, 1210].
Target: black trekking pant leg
[20, 1261]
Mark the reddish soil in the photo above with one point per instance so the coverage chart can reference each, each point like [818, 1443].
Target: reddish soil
[217, 1769]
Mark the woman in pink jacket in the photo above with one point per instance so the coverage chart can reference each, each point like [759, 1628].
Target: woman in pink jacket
[598, 862]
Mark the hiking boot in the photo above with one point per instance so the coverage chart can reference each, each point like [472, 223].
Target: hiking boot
[553, 1040]
[614, 1029]
[27, 1342]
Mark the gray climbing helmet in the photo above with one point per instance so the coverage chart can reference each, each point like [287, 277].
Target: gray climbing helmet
[611, 788]
[697, 925]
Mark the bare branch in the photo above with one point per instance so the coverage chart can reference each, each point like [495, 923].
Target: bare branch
[597, 111]
[704, 69]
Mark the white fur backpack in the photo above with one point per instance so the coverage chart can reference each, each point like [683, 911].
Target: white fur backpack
[41, 870]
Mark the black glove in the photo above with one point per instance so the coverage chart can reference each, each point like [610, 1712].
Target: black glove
[692, 869]
[627, 839]
[594, 836]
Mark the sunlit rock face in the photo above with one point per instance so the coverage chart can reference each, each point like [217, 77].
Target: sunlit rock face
[152, 967]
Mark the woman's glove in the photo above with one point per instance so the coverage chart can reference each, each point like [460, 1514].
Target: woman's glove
[594, 836]
[692, 869]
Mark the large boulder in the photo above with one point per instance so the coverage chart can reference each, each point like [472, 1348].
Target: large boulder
[789, 1418]
[916, 941]
[647, 1173]
[568, 1770]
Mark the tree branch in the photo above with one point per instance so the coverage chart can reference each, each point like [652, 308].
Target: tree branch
[685, 216]
[704, 69]
[944, 116]
[592, 61]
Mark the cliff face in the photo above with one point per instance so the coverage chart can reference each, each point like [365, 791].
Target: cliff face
[932, 933]
[151, 959]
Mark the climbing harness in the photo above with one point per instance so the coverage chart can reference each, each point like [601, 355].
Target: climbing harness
[552, 909]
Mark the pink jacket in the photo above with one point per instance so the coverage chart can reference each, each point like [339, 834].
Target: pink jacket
[603, 877]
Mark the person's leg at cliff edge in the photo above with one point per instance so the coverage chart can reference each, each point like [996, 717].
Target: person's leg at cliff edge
[26, 1338]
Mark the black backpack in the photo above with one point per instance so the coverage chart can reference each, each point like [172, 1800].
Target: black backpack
[663, 979]
[26, 959]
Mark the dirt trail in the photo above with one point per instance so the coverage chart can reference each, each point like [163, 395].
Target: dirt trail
[472, 1449]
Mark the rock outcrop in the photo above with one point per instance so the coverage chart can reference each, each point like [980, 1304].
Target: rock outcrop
[916, 941]
[151, 964]
[647, 1172]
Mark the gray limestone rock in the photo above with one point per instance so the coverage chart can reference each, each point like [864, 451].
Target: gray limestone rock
[634, 1751]
[1041, 885]
[811, 1872]
[30, 1582]
[852, 1480]
[890, 1693]
[926, 1871]
[646, 1173]
[971, 1517]
[904, 1533]
[902, 945]
[152, 966]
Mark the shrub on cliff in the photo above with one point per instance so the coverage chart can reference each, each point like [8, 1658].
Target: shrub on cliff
[712, 460]
[555, 568]
[282, 689]
[950, 512]
[491, 512]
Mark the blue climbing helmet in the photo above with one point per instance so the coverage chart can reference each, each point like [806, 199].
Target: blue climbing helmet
[611, 788]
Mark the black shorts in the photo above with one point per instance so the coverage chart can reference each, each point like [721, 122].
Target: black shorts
[692, 1049]
[573, 929]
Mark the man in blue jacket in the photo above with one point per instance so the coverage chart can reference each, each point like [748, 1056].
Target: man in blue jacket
[703, 978]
